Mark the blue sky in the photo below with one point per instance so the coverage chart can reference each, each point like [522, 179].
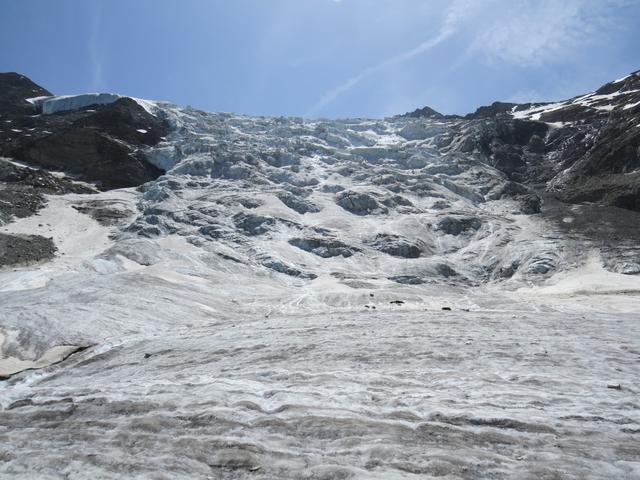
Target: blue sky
[333, 58]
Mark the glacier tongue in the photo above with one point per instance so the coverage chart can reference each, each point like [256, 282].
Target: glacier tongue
[318, 299]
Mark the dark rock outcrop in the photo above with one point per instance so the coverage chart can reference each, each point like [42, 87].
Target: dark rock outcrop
[24, 249]
[298, 204]
[282, 267]
[104, 212]
[456, 225]
[590, 155]
[360, 203]
[19, 203]
[38, 180]
[530, 204]
[585, 149]
[490, 111]
[324, 247]
[22, 189]
[397, 246]
[425, 112]
[253, 224]
[607, 172]
[408, 280]
[14, 90]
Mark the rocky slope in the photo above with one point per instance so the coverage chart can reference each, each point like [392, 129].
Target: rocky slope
[586, 149]
[187, 294]
[104, 144]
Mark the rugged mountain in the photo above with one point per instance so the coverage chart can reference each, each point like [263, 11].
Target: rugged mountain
[105, 144]
[210, 295]
[586, 149]
[425, 112]
[14, 90]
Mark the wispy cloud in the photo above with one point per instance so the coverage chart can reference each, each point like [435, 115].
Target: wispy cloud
[457, 12]
[523, 33]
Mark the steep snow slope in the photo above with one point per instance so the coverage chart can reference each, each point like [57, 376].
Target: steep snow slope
[272, 307]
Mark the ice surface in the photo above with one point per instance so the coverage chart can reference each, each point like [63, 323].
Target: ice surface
[61, 103]
[75, 102]
[38, 100]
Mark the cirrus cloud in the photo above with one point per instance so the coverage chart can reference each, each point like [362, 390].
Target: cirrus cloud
[523, 33]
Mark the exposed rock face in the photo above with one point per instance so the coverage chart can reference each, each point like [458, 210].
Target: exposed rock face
[254, 224]
[14, 89]
[24, 249]
[608, 171]
[490, 111]
[38, 179]
[282, 267]
[457, 225]
[589, 154]
[300, 205]
[530, 204]
[110, 164]
[323, 247]
[16, 202]
[22, 189]
[359, 203]
[104, 144]
[396, 246]
[425, 112]
[408, 280]
[104, 212]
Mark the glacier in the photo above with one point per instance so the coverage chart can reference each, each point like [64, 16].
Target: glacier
[321, 299]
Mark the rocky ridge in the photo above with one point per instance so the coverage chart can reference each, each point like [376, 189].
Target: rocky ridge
[585, 149]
